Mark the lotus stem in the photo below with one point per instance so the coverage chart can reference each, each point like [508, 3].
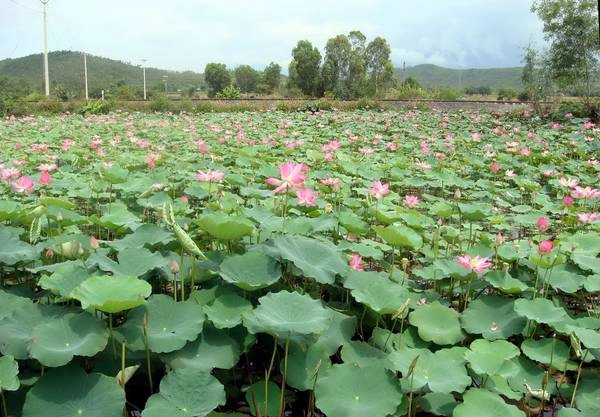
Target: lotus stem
[148, 365]
[283, 381]
[112, 337]
[4, 407]
[123, 365]
[268, 375]
[577, 379]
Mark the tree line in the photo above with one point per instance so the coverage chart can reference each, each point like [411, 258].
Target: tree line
[350, 68]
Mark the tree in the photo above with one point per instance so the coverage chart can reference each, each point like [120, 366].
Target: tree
[217, 78]
[536, 77]
[336, 68]
[246, 78]
[357, 77]
[304, 68]
[272, 76]
[570, 26]
[379, 64]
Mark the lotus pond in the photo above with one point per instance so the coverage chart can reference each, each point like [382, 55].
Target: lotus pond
[338, 264]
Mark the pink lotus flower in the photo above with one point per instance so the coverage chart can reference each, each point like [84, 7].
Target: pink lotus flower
[568, 201]
[47, 167]
[94, 244]
[476, 264]
[66, 144]
[411, 200]
[333, 183]
[542, 224]
[587, 192]
[545, 247]
[588, 217]
[8, 174]
[184, 198]
[210, 176]
[379, 190]
[306, 197]
[476, 137]
[292, 176]
[355, 262]
[570, 182]
[23, 185]
[45, 178]
[510, 173]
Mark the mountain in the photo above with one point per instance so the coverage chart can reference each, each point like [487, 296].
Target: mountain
[434, 76]
[66, 69]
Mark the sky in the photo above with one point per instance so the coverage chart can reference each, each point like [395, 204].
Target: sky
[187, 34]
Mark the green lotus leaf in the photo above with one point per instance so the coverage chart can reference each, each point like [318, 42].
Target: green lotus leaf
[257, 393]
[170, 324]
[227, 310]
[349, 391]
[377, 291]
[550, 351]
[437, 403]
[340, 331]
[487, 357]
[16, 330]
[505, 282]
[225, 227]
[483, 403]
[133, 262]
[437, 323]
[186, 393]
[65, 279]
[9, 371]
[250, 271]
[493, 317]
[9, 303]
[314, 258]
[592, 283]
[364, 355]
[304, 367]
[400, 236]
[13, 250]
[89, 395]
[146, 235]
[540, 310]
[112, 294]
[523, 375]
[587, 262]
[353, 223]
[55, 342]
[285, 314]
[431, 370]
[213, 349]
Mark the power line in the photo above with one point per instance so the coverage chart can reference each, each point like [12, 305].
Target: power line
[26, 7]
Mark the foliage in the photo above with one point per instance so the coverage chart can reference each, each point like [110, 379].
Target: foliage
[506, 94]
[272, 76]
[304, 68]
[217, 77]
[571, 28]
[246, 78]
[229, 92]
[379, 64]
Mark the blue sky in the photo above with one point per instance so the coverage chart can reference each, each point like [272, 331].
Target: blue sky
[186, 34]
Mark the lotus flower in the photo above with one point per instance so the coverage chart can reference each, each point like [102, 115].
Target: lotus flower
[542, 224]
[379, 190]
[292, 176]
[411, 200]
[355, 262]
[45, 178]
[210, 176]
[588, 217]
[23, 185]
[476, 264]
[545, 247]
[306, 197]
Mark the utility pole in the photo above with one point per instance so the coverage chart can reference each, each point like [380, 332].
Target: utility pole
[144, 71]
[46, 77]
[165, 77]
[85, 74]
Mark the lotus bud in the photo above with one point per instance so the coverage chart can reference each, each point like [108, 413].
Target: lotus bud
[94, 243]
[499, 239]
[457, 194]
[404, 262]
[80, 251]
[49, 253]
[186, 227]
[174, 266]
[505, 266]
[59, 216]
[328, 208]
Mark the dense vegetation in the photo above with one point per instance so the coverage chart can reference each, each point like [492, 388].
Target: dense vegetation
[345, 264]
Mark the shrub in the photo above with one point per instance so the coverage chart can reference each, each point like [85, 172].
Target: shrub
[506, 94]
[229, 92]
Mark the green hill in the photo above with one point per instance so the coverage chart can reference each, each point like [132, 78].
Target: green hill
[434, 76]
[66, 70]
